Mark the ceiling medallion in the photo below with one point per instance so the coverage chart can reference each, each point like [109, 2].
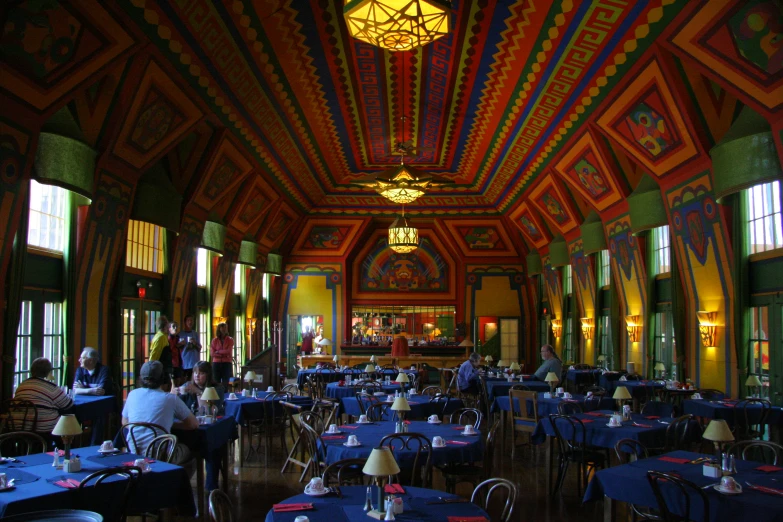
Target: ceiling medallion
[397, 25]
[403, 238]
[402, 184]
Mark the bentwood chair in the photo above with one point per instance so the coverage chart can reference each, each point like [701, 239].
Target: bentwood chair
[631, 450]
[162, 447]
[347, 472]
[455, 473]
[21, 415]
[571, 437]
[681, 493]
[566, 407]
[682, 433]
[20, 443]
[292, 389]
[220, 508]
[420, 472]
[112, 506]
[431, 391]
[132, 430]
[750, 418]
[758, 451]
[296, 455]
[485, 492]
[467, 416]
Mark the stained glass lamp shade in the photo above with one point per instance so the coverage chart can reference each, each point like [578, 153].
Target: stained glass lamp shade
[397, 25]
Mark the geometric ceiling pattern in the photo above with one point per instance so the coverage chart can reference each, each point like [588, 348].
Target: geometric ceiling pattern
[488, 106]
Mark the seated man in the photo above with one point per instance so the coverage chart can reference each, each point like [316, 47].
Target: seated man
[151, 404]
[92, 378]
[552, 363]
[468, 374]
[50, 400]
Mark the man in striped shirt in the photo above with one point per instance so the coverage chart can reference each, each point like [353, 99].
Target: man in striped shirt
[49, 399]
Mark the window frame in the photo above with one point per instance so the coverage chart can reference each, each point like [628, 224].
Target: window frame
[664, 348]
[661, 250]
[140, 254]
[60, 233]
[604, 269]
[770, 196]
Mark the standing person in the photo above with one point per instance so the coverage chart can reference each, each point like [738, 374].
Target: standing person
[222, 351]
[176, 356]
[49, 399]
[307, 341]
[160, 350]
[468, 374]
[190, 346]
[552, 363]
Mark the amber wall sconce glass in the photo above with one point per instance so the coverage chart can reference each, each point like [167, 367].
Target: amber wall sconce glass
[587, 327]
[557, 327]
[707, 327]
[634, 327]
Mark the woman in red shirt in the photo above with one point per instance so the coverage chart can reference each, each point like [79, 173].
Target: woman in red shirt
[222, 350]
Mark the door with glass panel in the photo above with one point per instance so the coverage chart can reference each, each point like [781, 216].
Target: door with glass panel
[765, 345]
[39, 334]
[138, 325]
[509, 339]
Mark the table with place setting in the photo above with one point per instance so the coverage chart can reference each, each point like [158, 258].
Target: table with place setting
[335, 391]
[346, 505]
[38, 485]
[339, 375]
[420, 405]
[458, 446]
[498, 387]
[726, 409]
[94, 407]
[760, 498]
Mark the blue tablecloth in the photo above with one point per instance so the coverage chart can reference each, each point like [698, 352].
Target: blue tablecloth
[330, 508]
[583, 377]
[720, 410]
[244, 409]
[334, 391]
[334, 376]
[500, 387]
[547, 407]
[597, 433]
[166, 486]
[90, 407]
[370, 435]
[628, 483]
[421, 407]
[209, 437]
[637, 389]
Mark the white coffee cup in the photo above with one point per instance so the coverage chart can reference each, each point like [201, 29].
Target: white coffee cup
[141, 463]
[469, 429]
[332, 428]
[232, 396]
[107, 445]
[352, 440]
[362, 418]
[615, 420]
[301, 518]
[316, 484]
[270, 388]
[729, 484]
[437, 441]
[567, 395]
[246, 393]
[433, 418]
[547, 395]
[589, 394]
[561, 390]
[3, 481]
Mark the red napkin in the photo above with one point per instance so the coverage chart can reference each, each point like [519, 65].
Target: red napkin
[768, 468]
[393, 488]
[458, 442]
[652, 417]
[347, 427]
[277, 508]
[594, 414]
[51, 453]
[67, 483]
[585, 421]
[641, 425]
[765, 489]
[394, 382]
[332, 437]
[406, 422]
[460, 428]
[674, 459]
[467, 519]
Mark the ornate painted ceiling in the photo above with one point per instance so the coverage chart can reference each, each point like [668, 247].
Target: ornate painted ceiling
[486, 106]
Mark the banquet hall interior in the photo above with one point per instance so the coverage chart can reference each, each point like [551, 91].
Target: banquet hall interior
[370, 191]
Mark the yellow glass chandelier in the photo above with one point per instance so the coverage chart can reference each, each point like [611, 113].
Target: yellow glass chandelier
[403, 238]
[397, 25]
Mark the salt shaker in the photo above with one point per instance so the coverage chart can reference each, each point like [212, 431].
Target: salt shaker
[732, 464]
[724, 466]
[368, 500]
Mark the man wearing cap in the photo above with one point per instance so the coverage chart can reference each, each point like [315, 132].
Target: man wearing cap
[151, 404]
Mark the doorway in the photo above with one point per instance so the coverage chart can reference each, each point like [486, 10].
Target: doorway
[137, 330]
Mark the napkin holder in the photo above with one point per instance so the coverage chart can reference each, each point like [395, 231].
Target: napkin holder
[73, 465]
[712, 470]
[547, 395]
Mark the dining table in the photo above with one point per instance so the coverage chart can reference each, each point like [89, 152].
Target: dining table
[458, 448]
[334, 390]
[339, 375]
[639, 390]
[581, 378]
[95, 408]
[498, 387]
[418, 504]
[726, 409]
[421, 405]
[628, 483]
[39, 485]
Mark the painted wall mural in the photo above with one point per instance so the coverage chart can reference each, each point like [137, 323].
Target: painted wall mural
[423, 270]
[252, 204]
[553, 205]
[327, 236]
[481, 237]
[225, 169]
[526, 219]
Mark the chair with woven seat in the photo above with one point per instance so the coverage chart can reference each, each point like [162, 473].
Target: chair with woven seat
[571, 437]
[758, 451]
[132, 431]
[495, 486]
[524, 414]
[346, 472]
[750, 418]
[21, 443]
[162, 447]
[418, 471]
[471, 415]
[566, 407]
[110, 504]
[220, 508]
[682, 493]
[455, 473]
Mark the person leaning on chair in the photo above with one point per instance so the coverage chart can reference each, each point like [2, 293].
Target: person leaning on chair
[552, 363]
[468, 374]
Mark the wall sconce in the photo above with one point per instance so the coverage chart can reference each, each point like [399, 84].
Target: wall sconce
[707, 327]
[216, 321]
[633, 327]
[250, 324]
[557, 327]
[587, 327]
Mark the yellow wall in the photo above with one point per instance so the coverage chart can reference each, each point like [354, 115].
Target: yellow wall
[312, 297]
[497, 298]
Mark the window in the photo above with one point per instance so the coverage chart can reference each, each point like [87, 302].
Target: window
[605, 342]
[509, 338]
[239, 338]
[239, 272]
[568, 346]
[759, 341]
[567, 289]
[53, 338]
[150, 329]
[145, 246]
[661, 250]
[664, 340]
[604, 269]
[265, 287]
[128, 357]
[24, 335]
[47, 216]
[201, 267]
[203, 334]
[764, 221]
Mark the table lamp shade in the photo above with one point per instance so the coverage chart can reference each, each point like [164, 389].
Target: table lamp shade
[489, 358]
[466, 342]
[336, 358]
[514, 366]
[551, 377]
[753, 380]
[381, 463]
[210, 394]
[601, 358]
[401, 404]
[501, 363]
[369, 368]
[250, 375]
[660, 367]
[372, 358]
[621, 393]
[324, 342]
[718, 431]
[402, 377]
[67, 425]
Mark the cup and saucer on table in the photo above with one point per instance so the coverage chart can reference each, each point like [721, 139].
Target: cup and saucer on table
[469, 431]
[108, 447]
[614, 422]
[363, 420]
[333, 430]
[5, 484]
[352, 442]
[232, 397]
[316, 488]
[438, 442]
[433, 419]
[728, 486]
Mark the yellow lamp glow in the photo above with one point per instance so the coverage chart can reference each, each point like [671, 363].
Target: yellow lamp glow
[587, 327]
[403, 238]
[557, 327]
[552, 379]
[718, 432]
[380, 463]
[514, 367]
[621, 394]
[396, 25]
[707, 327]
[633, 327]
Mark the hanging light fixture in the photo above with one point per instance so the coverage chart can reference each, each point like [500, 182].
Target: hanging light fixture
[403, 238]
[397, 25]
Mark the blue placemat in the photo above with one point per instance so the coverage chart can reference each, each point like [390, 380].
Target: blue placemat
[19, 476]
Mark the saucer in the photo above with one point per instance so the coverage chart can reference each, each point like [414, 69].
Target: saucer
[113, 450]
[311, 493]
[441, 446]
[365, 422]
[614, 425]
[352, 445]
[7, 488]
[327, 433]
[473, 434]
[433, 422]
[720, 489]
[230, 399]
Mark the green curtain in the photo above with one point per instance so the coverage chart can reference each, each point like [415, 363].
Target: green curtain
[70, 276]
[680, 319]
[616, 325]
[15, 280]
[648, 321]
[741, 245]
